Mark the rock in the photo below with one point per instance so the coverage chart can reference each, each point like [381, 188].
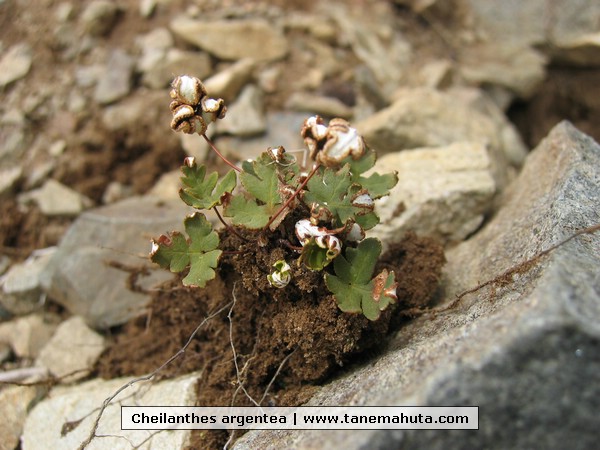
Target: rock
[268, 79]
[376, 44]
[230, 81]
[317, 104]
[167, 187]
[177, 62]
[318, 26]
[64, 12]
[115, 83]
[15, 402]
[194, 145]
[509, 139]
[38, 172]
[72, 350]
[99, 17]
[143, 117]
[8, 179]
[4, 264]
[57, 148]
[15, 64]
[14, 145]
[5, 350]
[529, 24]
[118, 233]
[450, 205]
[147, 7]
[140, 107]
[116, 191]
[153, 47]
[519, 69]
[21, 291]
[423, 117]
[79, 404]
[56, 199]
[28, 335]
[283, 128]
[525, 350]
[437, 74]
[233, 39]
[582, 51]
[245, 117]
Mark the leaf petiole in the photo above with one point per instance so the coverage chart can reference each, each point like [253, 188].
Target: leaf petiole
[293, 196]
[219, 154]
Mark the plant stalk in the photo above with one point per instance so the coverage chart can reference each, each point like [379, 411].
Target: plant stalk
[229, 163]
[293, 196]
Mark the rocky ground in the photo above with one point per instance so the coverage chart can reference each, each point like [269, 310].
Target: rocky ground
[468, 100]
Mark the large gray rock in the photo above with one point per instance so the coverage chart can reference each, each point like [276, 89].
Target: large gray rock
[525, 349]
[79, 405]
[80, 276]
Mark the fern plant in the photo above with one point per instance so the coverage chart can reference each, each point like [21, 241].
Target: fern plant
[335, 196]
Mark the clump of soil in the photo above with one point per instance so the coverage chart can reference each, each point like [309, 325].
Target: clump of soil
[287, 341]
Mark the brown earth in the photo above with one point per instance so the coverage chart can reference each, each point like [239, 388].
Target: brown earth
[287, 341]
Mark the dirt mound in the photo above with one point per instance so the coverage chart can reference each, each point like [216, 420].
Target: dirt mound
[286, 341]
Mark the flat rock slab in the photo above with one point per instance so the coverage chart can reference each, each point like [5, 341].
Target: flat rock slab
[442, 192]
[424, 117]
[14, 405]
[233, 39]
[80, 404]
[20, 288]
[72, 351]
[82, 275]
[526, 349]
[15, 63]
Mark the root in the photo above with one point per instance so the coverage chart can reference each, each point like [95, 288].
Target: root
[504, 278]
[238, 373]
[147, 377]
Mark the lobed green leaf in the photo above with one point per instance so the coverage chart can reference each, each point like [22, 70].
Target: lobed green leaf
[335, 191]
[248, 213]
[352, 286]
[260, 179]
[377, 184]
[199, 251]
[203, 192]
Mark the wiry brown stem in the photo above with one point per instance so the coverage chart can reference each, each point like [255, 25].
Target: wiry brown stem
[229, 227]
[293, 196]
[229, 163]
